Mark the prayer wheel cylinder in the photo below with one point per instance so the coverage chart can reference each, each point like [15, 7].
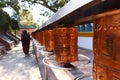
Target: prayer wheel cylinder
[48, 40]
[42, 40]
[106, 44]
[33, 35]
[65, 44]
[38, 33]
[37, 36]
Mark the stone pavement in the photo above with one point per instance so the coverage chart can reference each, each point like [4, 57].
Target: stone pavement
[14, 66]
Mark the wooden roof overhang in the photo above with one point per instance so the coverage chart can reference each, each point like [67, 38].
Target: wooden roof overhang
[78, 12]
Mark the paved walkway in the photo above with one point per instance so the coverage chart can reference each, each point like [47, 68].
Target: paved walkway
[14, 66]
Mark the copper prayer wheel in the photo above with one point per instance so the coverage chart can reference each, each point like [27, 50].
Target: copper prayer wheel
[42, 40]
[65, 44]
[106, 44]
[38, 33]
[33, 35]
[48, 40]
[37, 36]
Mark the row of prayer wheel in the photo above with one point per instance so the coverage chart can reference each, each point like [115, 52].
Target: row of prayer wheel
[62, 41]
[106, 45]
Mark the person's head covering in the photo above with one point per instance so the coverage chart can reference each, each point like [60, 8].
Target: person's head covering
[24, 31]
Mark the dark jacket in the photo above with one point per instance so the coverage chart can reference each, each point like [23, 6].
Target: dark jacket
[25, 38]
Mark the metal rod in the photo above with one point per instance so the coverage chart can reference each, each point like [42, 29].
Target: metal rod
[46, 73]
[46, 61]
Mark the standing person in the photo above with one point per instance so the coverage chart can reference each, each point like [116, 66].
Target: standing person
[25, 38]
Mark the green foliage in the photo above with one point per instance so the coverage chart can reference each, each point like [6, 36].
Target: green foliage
[2, 4]
[26, 16]
[53, 5]
[12, 3]
[35, 25]
[14, 24]
[10, 29]
[4, 21]
[7, 23]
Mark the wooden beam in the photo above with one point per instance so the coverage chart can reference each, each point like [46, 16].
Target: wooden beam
[84, 20]
[109, 13]
[85, 34]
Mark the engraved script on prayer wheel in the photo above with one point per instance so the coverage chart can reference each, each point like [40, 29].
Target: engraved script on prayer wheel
[65, 44]
[48, 40]
[107, 46]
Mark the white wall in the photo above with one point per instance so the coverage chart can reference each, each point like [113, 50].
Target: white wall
[85, 42]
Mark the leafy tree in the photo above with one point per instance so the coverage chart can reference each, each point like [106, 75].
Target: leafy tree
[7, 23]
[4, 21]
[53, 5]
[26, 16]
[10, 3]
[14, 24]
[2, 4]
